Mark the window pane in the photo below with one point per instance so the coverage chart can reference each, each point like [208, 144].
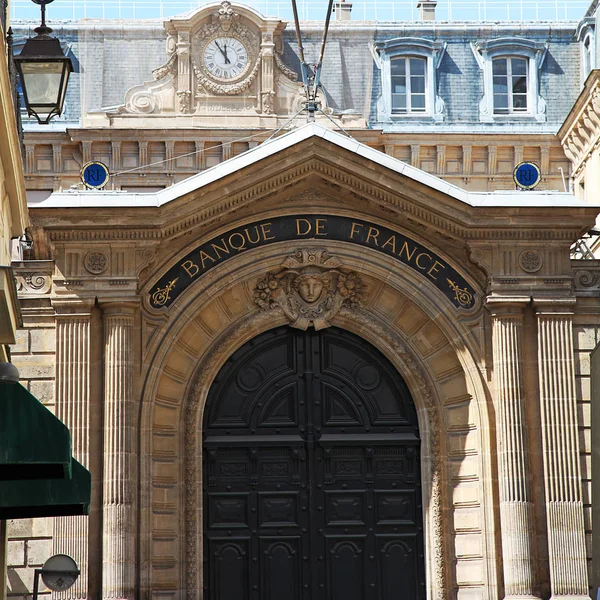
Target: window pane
[398, 103]
[500, 86]
[417, 66]
[398, 67]
[417, 85]
[500, 103]
[417, 102]
[519, 85]
[520, 102]
[399, 85]
[499, 66]
[519, 66]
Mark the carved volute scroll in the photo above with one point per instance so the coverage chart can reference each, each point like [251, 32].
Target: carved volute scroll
[310, 288]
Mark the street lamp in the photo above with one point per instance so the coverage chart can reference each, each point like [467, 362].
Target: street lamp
[44, 72]
[59, 573]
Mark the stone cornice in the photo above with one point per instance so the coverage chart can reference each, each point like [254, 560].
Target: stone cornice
[390, 191]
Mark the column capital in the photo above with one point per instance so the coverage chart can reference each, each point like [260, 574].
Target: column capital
[113, 308]
[554, 306]
[73, 308]
[507, 306]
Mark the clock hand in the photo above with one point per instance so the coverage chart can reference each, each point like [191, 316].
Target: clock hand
[223, 52]
[227, 61]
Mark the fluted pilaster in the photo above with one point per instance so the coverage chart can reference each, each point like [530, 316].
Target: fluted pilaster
[118, 578]
[560, 444]
[516, 511]
[73, 320]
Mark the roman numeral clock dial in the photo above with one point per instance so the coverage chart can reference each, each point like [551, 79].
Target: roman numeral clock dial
[225, 58]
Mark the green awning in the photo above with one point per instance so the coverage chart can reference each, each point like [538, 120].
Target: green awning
[34, 444]
[25, 499]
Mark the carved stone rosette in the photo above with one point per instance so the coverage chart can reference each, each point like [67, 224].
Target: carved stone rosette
[310, 289]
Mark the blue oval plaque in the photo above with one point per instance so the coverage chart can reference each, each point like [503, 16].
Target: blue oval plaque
[94, 175]
[527, 175]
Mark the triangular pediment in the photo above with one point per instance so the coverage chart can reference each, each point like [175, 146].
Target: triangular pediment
[314, 160]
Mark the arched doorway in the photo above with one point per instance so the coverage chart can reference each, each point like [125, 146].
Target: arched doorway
[311, 473]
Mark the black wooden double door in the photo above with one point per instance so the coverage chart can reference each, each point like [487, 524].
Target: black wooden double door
[311, 474]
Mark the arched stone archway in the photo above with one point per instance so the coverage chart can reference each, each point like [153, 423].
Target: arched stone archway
[432, 349]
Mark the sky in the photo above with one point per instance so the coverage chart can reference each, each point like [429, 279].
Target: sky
[371, 10]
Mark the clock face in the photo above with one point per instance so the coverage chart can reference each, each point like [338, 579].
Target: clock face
[225, 58]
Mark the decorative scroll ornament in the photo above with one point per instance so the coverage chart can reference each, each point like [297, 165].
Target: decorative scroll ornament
[33, 283]
[226, 15]
[310, 289]
[162, 295]
[462, 295]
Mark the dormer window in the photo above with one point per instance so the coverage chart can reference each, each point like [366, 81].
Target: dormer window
[511, 79]
[409, 80]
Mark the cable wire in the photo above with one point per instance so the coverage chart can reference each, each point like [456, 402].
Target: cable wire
[325, 31]
[161, 162]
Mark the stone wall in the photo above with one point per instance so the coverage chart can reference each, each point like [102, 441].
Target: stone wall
[586, 337]
[30, 540]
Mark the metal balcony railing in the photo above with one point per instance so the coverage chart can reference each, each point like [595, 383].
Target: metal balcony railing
[371, 10]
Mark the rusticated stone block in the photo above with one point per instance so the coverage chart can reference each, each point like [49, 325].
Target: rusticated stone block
[38, 552]
[21, 345]
[42, 390]
[16, 554]
[35, 367]
[43, 340]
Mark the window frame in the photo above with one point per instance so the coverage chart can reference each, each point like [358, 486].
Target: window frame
[586, 36]
[534, 53]
[409, 47]
[508, 76]
[408, 76]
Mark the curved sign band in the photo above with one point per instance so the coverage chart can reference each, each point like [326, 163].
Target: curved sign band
[312, 227]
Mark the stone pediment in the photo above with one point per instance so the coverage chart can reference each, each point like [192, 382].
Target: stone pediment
[315, 184]
[313, 166]
[222, 59]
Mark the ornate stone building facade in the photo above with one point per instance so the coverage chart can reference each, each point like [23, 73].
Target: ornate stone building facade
[306, 367]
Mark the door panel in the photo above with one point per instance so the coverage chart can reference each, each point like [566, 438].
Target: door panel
[311, 473]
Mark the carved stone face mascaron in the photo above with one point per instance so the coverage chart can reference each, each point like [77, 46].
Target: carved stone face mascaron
[309, 287]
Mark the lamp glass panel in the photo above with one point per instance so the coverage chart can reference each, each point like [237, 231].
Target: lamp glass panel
[41, 81]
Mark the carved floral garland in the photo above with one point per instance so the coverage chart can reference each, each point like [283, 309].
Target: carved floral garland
[289, 73]
[226, 89]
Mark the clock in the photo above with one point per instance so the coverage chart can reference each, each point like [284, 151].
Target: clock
[225, 58]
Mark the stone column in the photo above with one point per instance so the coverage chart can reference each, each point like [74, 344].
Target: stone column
[73, 321]
[118, 541]
[516, 509]
[560, 446]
